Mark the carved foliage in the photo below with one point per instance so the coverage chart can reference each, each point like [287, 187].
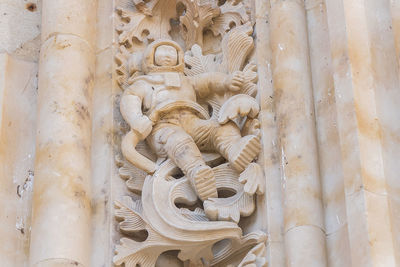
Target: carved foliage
[230, 208]
[256, 257]
[233, 13]
[196, 16]
[146, 23]
[171, 228]
[141, 22]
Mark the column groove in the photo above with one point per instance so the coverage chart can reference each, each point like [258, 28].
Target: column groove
[304, 232]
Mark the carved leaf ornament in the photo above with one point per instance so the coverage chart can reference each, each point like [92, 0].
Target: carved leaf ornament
[148, 25]
[172, 206]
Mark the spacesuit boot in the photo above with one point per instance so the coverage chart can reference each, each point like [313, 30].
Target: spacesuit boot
[203, 180]
[188, 158]
[239, 151]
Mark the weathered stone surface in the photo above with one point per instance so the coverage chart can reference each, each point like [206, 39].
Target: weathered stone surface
[307, 90]
[62, 202]
[20, 26]
[18, 96]
[165, 98]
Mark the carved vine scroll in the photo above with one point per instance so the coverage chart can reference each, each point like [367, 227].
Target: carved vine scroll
[189, 86]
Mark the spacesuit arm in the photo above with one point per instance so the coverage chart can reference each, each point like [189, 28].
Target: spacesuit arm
[206, 83]
[131, 109]
[217, 82]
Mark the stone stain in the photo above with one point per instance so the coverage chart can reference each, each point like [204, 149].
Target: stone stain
[89, 80]
[62, 44]
[68, 182]
[372, 183]
[299, 215]
[82, 111]
[370, 127]
[55, 107]
[32, 7]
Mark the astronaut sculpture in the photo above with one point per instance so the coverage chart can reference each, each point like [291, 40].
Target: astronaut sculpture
[162, 107]
[190, 155]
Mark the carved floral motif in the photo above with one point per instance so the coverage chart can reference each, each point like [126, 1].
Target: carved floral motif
[189, 157]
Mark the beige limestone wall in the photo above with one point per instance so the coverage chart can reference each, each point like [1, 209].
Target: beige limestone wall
[20, 26]
[18, 93]
[361, 41]
[20, 23]
[346, 83]
[353, 54]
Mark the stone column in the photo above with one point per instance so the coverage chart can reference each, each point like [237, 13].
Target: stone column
[330, 158]
[271, 208]
[303, 214]
[363, 49]
[395, 12]
[61, 201]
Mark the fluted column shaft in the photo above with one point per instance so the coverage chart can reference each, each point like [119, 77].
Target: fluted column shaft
[61, 202]
[303, 213]
[271, 207]
[366, 80]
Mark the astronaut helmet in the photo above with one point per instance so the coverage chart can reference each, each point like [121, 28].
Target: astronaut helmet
[149, 64]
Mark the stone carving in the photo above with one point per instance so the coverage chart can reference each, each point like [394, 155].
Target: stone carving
[190, 153]
[171, 228]
[256, 257]
[176, 126]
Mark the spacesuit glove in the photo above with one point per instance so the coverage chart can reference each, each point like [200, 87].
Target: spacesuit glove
[236, 81]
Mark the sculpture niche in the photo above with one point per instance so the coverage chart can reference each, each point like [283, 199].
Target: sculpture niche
[161, 107]
[190, 154]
